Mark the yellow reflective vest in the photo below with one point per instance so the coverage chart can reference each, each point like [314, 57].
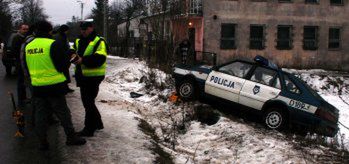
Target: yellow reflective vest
[40, 66]
[101, 50]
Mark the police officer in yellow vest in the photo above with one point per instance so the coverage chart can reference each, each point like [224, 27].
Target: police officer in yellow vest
[90, 62]
[45, 65]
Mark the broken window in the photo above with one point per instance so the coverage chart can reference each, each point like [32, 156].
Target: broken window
[284, 37]
[228, 36]
[310, 37]
[257, 37]
[264, 76]
[239, 69]
[334, 38]
[336, 2]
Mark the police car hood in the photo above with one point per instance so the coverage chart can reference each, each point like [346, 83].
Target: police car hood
[199, 68]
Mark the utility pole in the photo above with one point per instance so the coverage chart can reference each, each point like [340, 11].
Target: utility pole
[82, 9]
[105, 20]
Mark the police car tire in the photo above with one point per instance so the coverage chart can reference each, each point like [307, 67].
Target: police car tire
[186, 90]
[275, 118]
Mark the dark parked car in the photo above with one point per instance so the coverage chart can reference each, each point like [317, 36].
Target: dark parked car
[281, 97]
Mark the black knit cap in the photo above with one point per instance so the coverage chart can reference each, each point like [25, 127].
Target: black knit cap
[43, 26]
[63, 28]
[84, 25]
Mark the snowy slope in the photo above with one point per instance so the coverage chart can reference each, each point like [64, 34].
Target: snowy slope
[230, 140]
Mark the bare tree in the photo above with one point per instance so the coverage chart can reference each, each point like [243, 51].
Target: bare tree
[5, 18]
[32, 11]
[132, 9]
[115, 18]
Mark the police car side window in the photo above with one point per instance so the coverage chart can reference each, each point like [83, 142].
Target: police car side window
[277, 83]
[264, 76]
[238, 69]
[290, 86]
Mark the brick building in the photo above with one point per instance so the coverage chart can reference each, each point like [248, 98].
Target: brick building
[292, 33]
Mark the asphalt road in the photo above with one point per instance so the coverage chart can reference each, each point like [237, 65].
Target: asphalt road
[22, 150]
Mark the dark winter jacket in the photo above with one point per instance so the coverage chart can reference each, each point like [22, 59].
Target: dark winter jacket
[61, 64]
[185, 53]
[17, 41]
[62, 39]
[91, 61]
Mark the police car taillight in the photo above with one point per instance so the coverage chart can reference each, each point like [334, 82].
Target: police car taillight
[325, 115]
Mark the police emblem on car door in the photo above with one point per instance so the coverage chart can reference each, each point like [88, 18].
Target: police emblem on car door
[263, 85]
[227, 81]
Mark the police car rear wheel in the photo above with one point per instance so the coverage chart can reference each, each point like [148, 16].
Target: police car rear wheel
[274, 119]
[186, 90]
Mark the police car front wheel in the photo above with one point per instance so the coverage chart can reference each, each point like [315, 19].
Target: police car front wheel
[186, 90]
[274, 119]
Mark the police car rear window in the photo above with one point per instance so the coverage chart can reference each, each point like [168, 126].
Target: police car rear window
[290, 86]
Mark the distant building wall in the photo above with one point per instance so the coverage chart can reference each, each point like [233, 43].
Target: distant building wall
[272, 13]
[134, 28]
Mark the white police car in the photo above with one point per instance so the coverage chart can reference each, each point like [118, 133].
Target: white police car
[280, 96]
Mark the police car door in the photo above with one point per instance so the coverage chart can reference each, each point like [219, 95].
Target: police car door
[226, 82]
[263, 85]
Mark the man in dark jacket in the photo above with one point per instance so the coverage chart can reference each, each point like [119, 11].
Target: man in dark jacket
[45, 69]
[62, 38]
[185, 54]
[90, 63]
[16, 44]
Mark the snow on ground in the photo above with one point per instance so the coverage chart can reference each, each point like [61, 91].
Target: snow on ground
[120, 141]
[227, 141]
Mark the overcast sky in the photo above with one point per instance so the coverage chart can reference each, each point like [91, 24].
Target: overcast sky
[61, 11]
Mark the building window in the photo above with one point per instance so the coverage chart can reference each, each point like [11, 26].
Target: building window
[334, 38]
[336, 2]
[285, 0]
[311, 1]
[228, 36]
[257, 37]
[310, 37]
[284, 37]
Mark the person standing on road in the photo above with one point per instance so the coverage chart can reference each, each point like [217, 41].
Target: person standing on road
[2, 45]
[62, 37]
[16, 44]
[45, 67]
[90, 62]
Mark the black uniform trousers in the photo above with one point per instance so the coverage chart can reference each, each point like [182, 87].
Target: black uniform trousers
[89, 92]
[44, 107]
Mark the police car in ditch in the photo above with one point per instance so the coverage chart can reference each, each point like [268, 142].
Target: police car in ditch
[281, 97]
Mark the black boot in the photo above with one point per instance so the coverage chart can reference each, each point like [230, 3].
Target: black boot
[100, 126]
[44, 145]
[86, 133]
[75, 140]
